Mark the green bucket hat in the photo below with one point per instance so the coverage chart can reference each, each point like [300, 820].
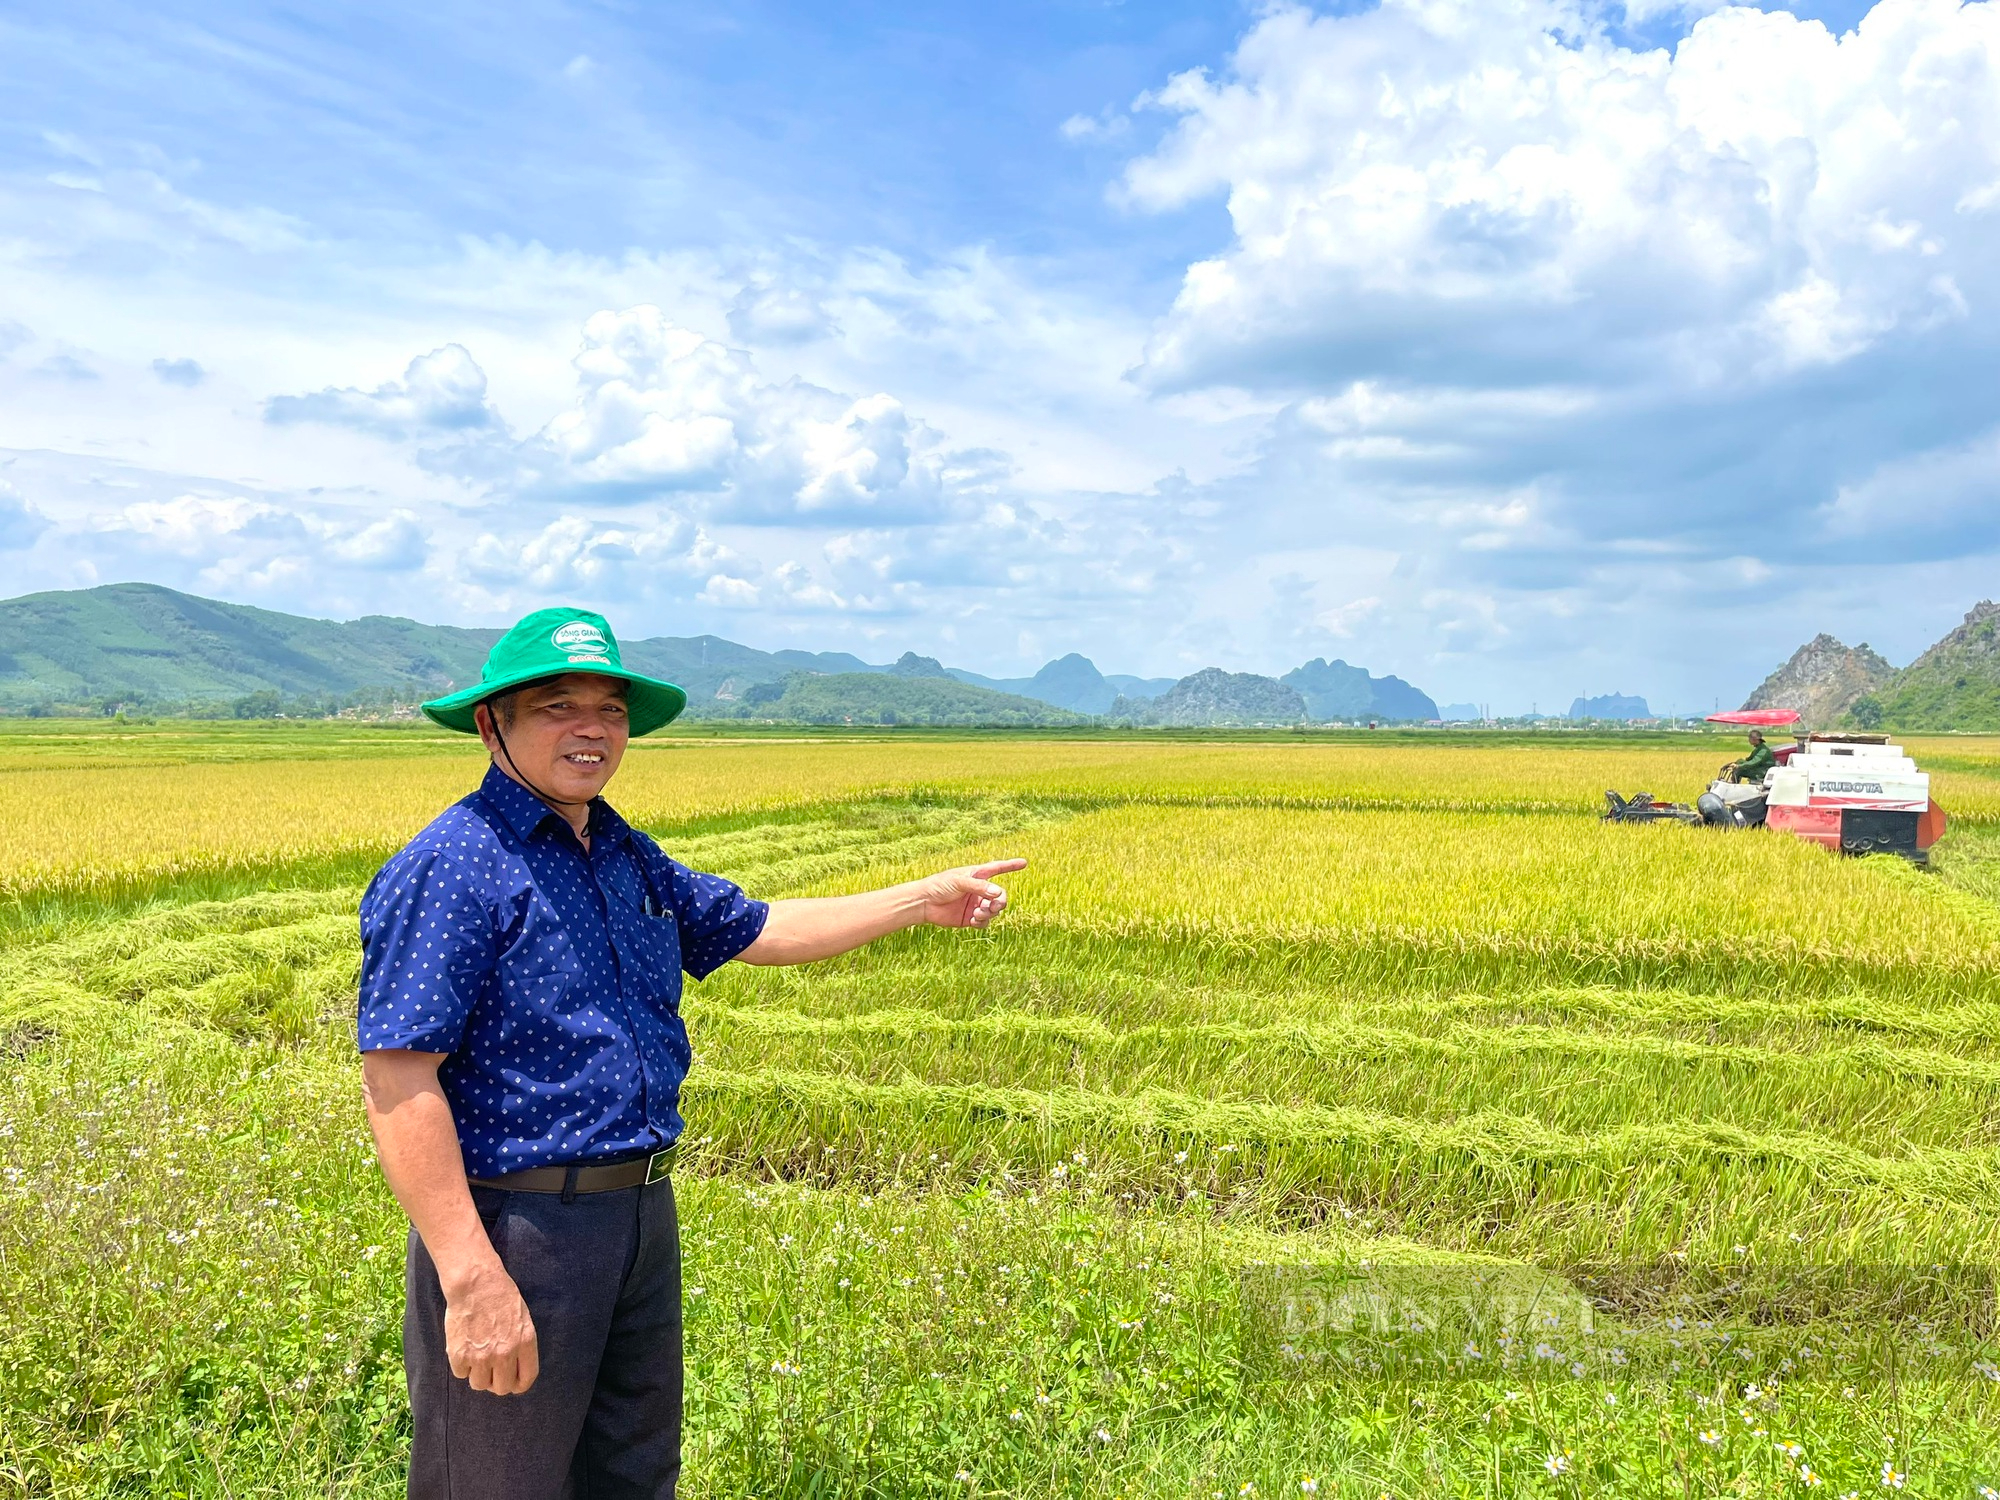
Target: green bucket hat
[548, 643]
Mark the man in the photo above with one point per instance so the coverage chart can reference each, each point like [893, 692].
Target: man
[523, 1055]
[1753, 766]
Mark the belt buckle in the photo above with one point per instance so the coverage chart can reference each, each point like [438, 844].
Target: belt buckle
[658, 1165]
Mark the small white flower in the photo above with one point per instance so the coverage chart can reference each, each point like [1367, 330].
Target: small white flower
[1103, 1436]
[1711, 1437]
[1309, 1485]
[1557, 1463]
[1891, 1479]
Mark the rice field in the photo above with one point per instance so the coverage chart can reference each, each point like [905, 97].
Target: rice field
[992, 1214]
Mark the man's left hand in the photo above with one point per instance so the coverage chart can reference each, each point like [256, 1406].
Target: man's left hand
[967, 896]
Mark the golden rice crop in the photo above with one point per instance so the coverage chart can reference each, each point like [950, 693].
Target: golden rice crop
[1309, 876]
[69, 825]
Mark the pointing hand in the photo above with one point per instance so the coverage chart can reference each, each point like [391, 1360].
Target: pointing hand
[967, 896]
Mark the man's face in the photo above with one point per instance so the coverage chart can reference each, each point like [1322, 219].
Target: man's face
[568, 734]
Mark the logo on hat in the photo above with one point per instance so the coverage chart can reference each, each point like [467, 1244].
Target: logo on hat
[580, 635]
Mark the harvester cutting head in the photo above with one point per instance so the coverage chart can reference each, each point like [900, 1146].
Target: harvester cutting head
[1641, 808]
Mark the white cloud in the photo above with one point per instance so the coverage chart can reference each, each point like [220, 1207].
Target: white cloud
[65, 367]
[397, 543]
[185, 372]
[20, 522]
[194, 525]
[660, 406]
[770, 310]
[442, 392]
[575, 554]
[237, 541]
[730, 593]
[1577, 331]
[662, 409]
[1502, 188]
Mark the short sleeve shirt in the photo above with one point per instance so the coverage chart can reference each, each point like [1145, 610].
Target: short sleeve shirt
[550, 977]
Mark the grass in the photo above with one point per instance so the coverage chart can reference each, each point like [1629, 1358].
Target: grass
[985, 1214]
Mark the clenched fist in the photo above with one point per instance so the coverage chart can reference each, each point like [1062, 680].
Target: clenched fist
[489, 1336]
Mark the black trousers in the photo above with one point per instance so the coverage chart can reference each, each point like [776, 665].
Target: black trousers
[602, 1279]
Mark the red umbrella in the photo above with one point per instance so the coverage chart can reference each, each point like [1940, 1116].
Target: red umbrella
[1763, 718]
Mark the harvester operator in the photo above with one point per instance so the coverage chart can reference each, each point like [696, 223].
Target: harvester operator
[1753, 766]
[523, 1055]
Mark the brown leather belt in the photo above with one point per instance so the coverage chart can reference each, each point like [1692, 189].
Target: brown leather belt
[637, 1172]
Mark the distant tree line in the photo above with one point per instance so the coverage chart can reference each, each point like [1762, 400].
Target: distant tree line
[264, 703]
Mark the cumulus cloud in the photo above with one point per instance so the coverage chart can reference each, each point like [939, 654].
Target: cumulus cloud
[397, 543]
[1505, 189]
[772, 311]
[661, 409]
[441, 393]
[192, 525]
[65, 367]
[578, 554]
[179, 371]
[1574, 328]
[20, 522]
[224, 540]
[728, 592]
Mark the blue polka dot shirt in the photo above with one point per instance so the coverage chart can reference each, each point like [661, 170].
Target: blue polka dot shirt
[550, 977]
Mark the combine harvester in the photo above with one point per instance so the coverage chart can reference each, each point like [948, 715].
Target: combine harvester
[1851, 793]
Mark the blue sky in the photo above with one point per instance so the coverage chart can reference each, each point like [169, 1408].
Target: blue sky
[1521, 348]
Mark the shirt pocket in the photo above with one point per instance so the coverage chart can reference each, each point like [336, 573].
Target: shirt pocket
[650, 930]
[658, 941]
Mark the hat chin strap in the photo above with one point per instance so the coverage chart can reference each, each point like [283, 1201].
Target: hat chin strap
[493, 718]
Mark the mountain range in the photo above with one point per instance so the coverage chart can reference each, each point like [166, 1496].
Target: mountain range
[1955, 685]
[1610, 706]
[145, 647]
